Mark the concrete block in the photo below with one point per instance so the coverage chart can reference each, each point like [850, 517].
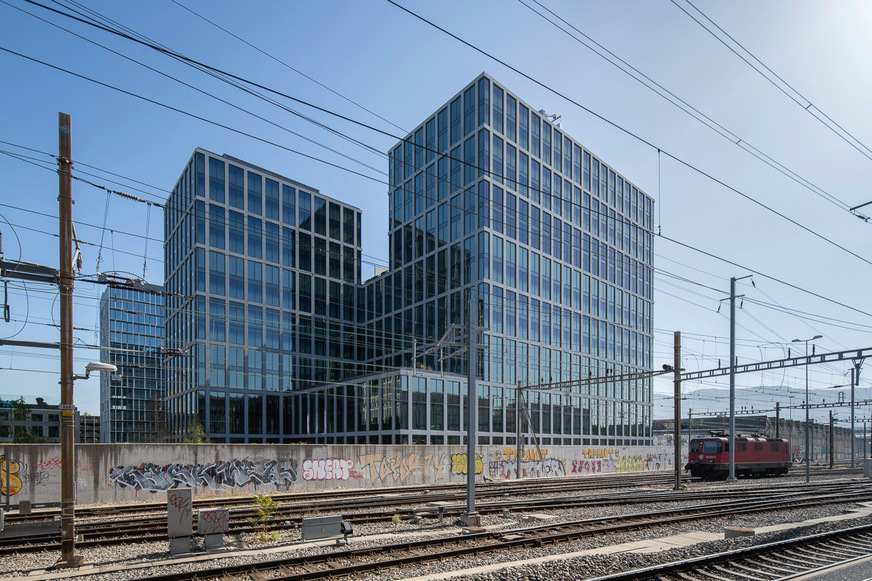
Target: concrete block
[322, 527]
[471, 520]
[214, 541]
[36, 528]
[735, 532]
[180, 545]
[213, 521]
[24, 507]
[180, 521]
[867, 467]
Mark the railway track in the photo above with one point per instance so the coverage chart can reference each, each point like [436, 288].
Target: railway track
[341, 497]
[357, 498]
[768, 562]
[356, 562]
[139, 529]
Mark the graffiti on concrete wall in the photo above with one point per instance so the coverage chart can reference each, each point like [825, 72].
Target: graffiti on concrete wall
[10, 470]
[588, 467]
[216, 475]
[400, 467]
[608, 453]
[597, 460]
[327, 468]
[45, 468]
[459, 464]
[534, 464]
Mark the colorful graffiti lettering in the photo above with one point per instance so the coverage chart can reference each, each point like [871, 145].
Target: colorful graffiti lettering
[50, 464]
[327, 468]
[216, 475]
[510, 454]
[587, 466]
[54, 464]
[10, 484]
[399, 467]
[640, 462]
[459, 465]
[600, 453]
[544, 468]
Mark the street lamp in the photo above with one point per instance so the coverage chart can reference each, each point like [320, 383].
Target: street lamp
[68, 472]
[807, 451]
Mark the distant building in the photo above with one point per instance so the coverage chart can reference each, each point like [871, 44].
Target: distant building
[39, 422]
[132, 339]
[89, 430]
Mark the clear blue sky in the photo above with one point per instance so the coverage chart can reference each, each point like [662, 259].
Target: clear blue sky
[400, 68]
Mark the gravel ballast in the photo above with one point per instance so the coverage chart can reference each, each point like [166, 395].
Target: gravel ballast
[140, 560]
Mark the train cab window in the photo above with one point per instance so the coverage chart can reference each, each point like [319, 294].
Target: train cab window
[741, 446]
[712, 447]
[694, 446]
[758, 447]
[773, 447]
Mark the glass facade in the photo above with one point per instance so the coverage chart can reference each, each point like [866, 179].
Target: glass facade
[489, 199]
[262, 275]
[491, 204]
[132, 339]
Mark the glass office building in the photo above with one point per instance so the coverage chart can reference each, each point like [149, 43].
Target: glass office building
[132, 339]
[262, 275]
[492, 202]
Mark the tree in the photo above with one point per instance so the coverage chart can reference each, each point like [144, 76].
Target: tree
[196, 432]
[21, 413]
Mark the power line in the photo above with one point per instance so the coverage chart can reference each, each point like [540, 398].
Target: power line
[192, 115]
[628, 132]
[683, 105]
[844, 135]
[285, 64]
[757, 272]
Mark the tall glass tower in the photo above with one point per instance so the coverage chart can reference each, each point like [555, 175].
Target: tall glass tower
[262, 274]
[492, 202]
[132, 339]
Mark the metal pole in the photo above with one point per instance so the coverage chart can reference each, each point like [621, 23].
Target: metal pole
[65, 284]
[777, 419]
[677, 388]
[807, 435]
[832, 452]
[853, 439]
[472, 324]
[732, 475]
[518, 446]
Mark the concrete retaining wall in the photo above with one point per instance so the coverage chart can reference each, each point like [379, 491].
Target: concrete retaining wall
[129, 472]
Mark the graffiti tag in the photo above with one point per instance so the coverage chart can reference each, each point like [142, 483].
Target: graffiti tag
[399, 467]
[327, 468]
[216, 475]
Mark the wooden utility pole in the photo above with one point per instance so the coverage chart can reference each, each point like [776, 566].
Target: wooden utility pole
[65, 285]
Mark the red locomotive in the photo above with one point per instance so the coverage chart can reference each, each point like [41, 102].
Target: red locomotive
[709, 457]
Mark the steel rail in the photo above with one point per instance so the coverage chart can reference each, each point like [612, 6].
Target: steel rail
[357, 561]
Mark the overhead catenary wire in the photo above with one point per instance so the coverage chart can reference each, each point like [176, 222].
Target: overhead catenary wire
[611, 123]
[691, 166]
[683, 105]
[797, 97]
